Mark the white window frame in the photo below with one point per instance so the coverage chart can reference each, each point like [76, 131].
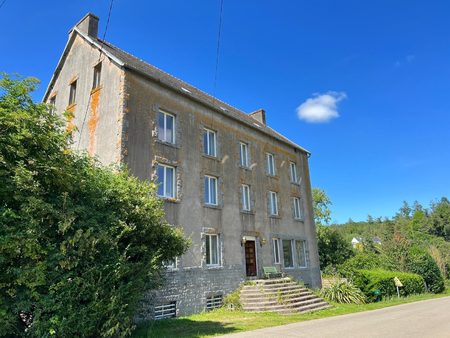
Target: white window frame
[297, 204]
[207, 148]
[294, 172]
[273, 203]
[163, 136]
[292, 253]
[209, 237]
[245, 197]
[162, 180]
[208, 186]
[243, 154]
[304, 253]
[276, 251]
[270, 164]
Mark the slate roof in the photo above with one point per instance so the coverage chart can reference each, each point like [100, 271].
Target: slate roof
[133, 63]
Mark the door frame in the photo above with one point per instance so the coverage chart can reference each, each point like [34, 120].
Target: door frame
[251, 239]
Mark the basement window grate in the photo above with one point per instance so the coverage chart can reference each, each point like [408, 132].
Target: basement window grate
[168, 310]
[214, 302]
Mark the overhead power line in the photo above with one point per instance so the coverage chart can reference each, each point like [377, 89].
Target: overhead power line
[99, 58]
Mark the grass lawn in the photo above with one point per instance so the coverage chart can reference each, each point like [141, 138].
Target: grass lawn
[223, 321]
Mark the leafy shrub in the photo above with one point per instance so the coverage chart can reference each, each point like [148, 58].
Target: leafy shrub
[361, 261]
[79, 244]
[370, 280]
[422, 263]
[333, 248]
[232, 301]
[343, 292]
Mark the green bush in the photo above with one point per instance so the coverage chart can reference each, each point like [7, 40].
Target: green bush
[370, 280]
[232, 301]
[422, 263]
[343, 292]
[361, 261]
[79, 244]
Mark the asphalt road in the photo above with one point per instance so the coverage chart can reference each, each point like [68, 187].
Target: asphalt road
[429, 318]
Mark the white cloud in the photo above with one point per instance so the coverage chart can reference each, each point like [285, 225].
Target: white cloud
[320, 108]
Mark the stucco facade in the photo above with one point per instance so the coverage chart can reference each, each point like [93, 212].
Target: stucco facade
[118, 121]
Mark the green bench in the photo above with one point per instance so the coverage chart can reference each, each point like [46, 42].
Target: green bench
[271, 272]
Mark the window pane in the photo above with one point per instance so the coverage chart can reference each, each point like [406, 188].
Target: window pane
[213, 192]
[169, 129]
[205, 142]
[214, 250]
[276, 248]
[212, 144]
[301, 256]
[287, 254]
[160, 180]
[208, 249]
[161, 127]
[207, 195]
[170, 182]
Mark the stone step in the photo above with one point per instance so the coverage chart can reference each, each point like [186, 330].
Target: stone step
[269, 288]
[306, 309]
[294, 305]
[253, 295]
[273, 281]
[275, 300]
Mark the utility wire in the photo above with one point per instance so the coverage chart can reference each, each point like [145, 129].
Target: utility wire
[218, 48]
[99, 58]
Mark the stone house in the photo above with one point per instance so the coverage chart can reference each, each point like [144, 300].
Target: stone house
[240, 190]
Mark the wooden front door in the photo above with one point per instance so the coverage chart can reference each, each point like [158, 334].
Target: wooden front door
[250, 258]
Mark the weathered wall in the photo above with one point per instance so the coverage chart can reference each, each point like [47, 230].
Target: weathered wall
[144, 151]
[97, 114]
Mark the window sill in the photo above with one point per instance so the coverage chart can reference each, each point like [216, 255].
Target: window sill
[169, 144]
[71, 106]
[300, 220]
[243, 167]
[212, 206]
[96, 89]
[214, 267]
[215, 158]
[295, 183]
[275, 177]
[248, 212]
[170, 199]
[275, 216]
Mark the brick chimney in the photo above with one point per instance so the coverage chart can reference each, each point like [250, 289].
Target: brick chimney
[259, 115]
[89, 25]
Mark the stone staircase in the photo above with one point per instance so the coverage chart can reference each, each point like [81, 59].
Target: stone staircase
[280, 295]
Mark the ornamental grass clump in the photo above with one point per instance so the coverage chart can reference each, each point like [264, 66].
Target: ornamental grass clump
[343, 292]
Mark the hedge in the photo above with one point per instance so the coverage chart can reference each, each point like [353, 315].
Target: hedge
[370, 280]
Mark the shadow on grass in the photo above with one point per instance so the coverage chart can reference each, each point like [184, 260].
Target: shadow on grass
[181, 327]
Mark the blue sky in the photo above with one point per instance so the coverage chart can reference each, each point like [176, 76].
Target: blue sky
[382, 66]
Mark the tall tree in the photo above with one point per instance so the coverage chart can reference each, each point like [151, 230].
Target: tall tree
[79, 243]
[321, 206]
[440, 219]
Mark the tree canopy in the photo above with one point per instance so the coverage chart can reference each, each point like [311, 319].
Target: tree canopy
[77, 240]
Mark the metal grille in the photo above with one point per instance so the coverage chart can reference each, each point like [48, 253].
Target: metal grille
[214, 302]
[168, 310]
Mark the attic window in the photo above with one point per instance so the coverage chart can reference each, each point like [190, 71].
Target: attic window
[73, 92]
[97, 75]
[224, 109]
[185, 90]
